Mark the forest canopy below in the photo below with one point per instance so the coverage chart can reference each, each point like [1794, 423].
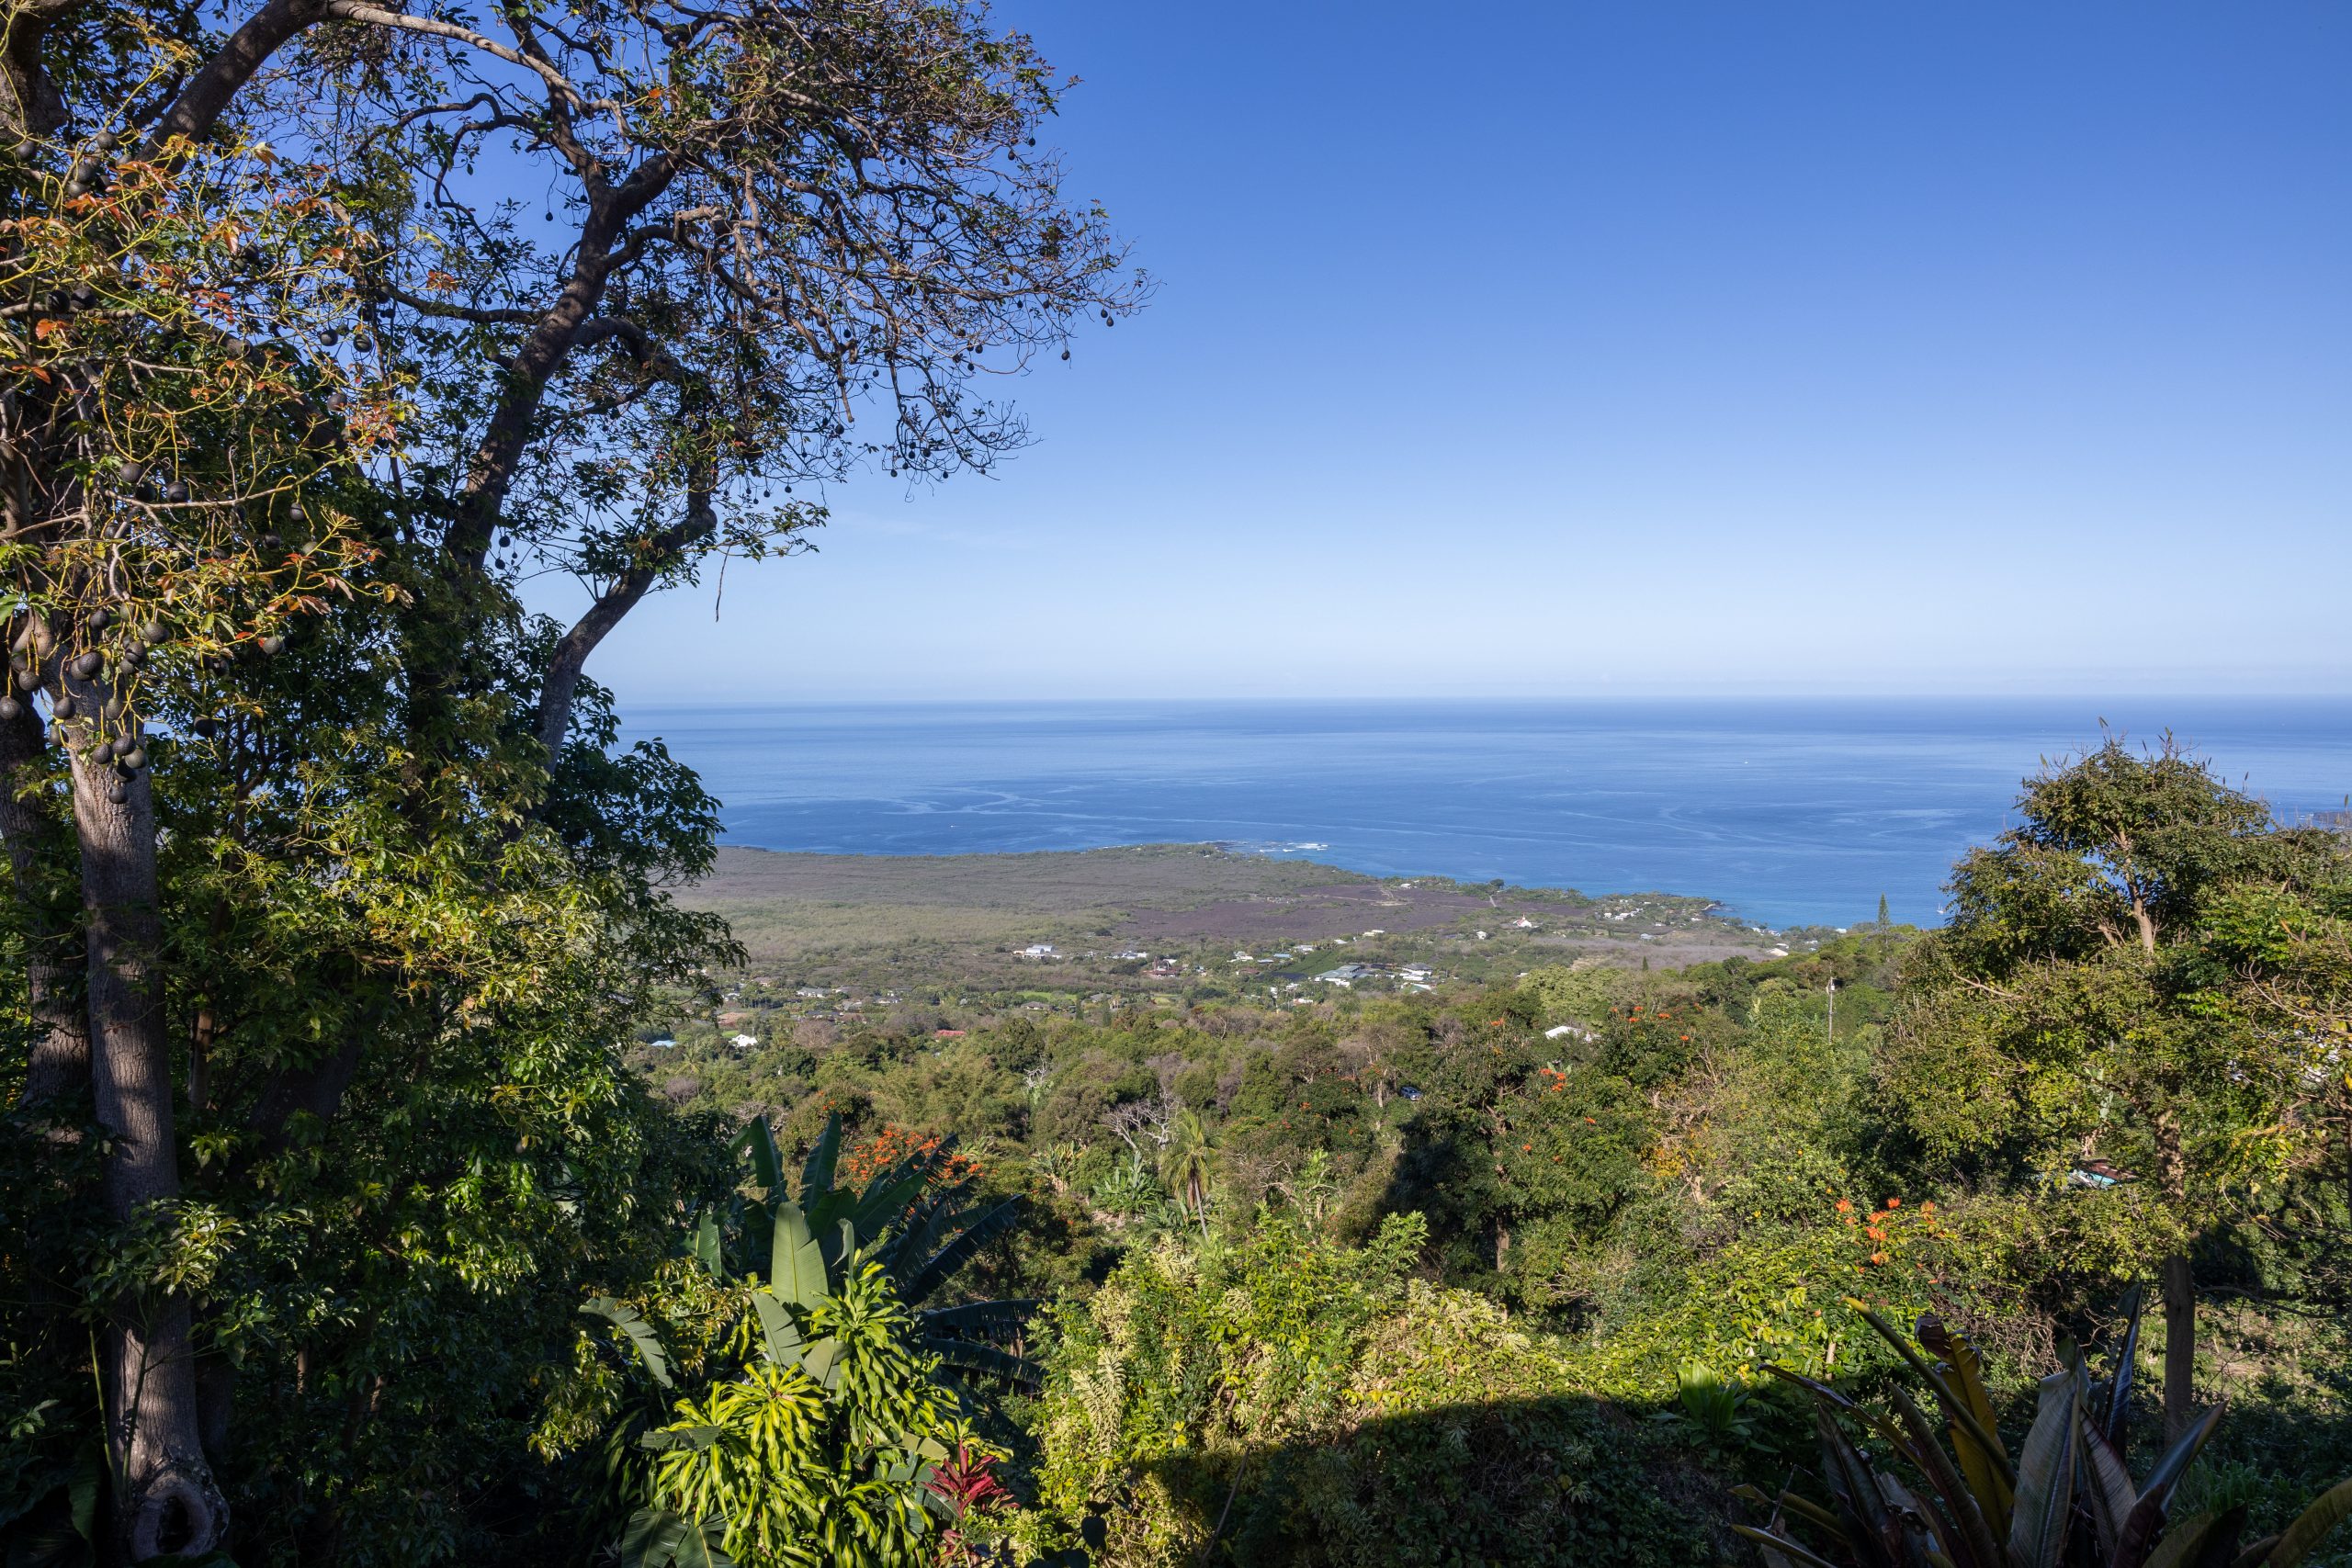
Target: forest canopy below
[358, 1209]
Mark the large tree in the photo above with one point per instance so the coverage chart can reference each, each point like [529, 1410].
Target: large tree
[2095, 997]
[297, 394]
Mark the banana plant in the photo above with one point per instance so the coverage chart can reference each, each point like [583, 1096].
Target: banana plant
[915, 1218]
[2066, 1499]
[920, 1221]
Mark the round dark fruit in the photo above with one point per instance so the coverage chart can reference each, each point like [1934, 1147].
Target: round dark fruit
[118, 793]
[102, 753]
[206, 729]
[273, 645]
[134, 759]
[11, 710]
[154, 634]
[272, 542]
[175, 493]
[88, 666]
[135, 656]
[100, 620]
[63, 708]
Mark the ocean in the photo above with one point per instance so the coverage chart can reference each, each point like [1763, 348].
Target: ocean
[1787, 812]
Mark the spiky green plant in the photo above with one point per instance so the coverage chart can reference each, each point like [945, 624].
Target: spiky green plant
[918, 1219]
[2067, 1498]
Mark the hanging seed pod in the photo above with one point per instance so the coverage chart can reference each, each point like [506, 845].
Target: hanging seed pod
[154, 634]
[272, 544]
[87, 667]
[175, 493]
[134, 759]
[111, 708]
[102, 753]
[206, 729]
[273, 645]
[132, 658]
[63, 708]
[100, 620]
[118, 793]
[11, 710]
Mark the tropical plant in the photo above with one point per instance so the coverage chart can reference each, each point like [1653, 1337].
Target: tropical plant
[822, 1450]
[2066, 1499]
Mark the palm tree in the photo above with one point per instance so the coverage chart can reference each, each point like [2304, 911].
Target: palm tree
[1187, 1167]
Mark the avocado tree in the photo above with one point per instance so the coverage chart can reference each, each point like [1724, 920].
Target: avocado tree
[2091, 997]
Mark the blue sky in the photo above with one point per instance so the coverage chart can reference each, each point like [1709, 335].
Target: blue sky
[1580, 349]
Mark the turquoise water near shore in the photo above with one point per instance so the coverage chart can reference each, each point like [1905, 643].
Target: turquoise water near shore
[1786, 811]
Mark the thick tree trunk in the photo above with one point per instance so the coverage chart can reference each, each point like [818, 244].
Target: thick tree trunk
[2180, 1345]
[168, 1502]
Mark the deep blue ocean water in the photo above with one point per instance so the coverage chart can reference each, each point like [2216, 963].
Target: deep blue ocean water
[1787, 811]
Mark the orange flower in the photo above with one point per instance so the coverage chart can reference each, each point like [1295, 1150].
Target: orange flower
[1527, 1148]
[1928, 1207]
[1845, 1205]
[1895, 1202]
[1878, 1256]
[1875, 1234]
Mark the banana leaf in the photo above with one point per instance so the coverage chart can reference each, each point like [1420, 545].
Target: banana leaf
[816, 1175]
[2115, 1413]
[657, 1538]
[755, 1140]
[777, 1328]
[977, 1318]
[2207, 1540]
[1989, 1479]
[934, 1273]
[2147, 1517]
[1954, 1407]
[641, 1334]
[971, 1356]
[2334, 1506]
[2109, 1496]
[1961, 1530]
[796, 1266]
[2045, 1477]
[1781, 1546]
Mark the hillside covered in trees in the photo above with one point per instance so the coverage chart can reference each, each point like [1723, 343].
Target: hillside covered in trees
[381, 1184]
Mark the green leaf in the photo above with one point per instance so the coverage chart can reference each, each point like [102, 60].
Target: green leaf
[2147, 1519]
[817, 1176]
[777, 1328]
[2333, 1508]
[2115, 1416]
[968, 1356]
[1771, 1543]
[2107, 1492]
[821, 1361]
[2208, 1541]
[2046, 1477]
[657, 1538]
[942, 1265]
[672, 1440]
[767, 1168]
[976, 1317]
[641, 1334]
[796, 1266]
[708, 1248]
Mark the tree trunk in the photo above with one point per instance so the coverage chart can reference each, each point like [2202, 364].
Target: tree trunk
[2180, 1345]
[166, 1501]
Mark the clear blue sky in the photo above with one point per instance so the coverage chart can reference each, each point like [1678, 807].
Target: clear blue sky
[1644, 347]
